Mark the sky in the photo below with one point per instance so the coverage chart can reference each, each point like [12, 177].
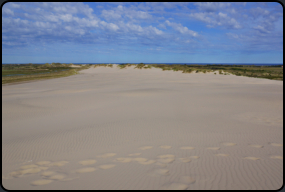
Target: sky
[147, 32]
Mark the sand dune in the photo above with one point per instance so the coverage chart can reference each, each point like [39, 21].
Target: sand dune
[110, 128]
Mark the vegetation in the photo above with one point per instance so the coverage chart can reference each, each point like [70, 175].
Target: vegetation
[267, 72]
[142, 66]
[103, 65]
[122, 66]
[12, 73]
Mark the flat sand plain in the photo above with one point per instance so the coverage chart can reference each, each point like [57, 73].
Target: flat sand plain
[110, 128]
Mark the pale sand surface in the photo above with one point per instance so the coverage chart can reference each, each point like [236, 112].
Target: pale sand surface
[110, 128]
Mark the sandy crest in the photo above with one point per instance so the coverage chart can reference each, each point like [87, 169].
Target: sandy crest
[110, 128]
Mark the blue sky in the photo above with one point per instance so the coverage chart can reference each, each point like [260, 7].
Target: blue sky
[148, 32]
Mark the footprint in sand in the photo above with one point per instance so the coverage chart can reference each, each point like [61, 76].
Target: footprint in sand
[41, 182]
[43, 168]
[174, 186]
[185, 160]
[87, 162]
[194, 157]
[256, 146]
[165, 147]
[159, 172]
[276, 144]
[166, 156]
[213, 148]
[106, 155]
[139, 159]
[69, 179]
[85, 170]
[147, 162]
[229, 144]
[187, 147]
[29, 166]
[57, 177]
[134, 154]
[108, 166]
[276, 157]
[146, 147]
[124, 159]
[187, 180]
[252, 158]
[25, 171]
[47, 173]
[33, 167]
[58, 163]
[165, 159]
[222, 155]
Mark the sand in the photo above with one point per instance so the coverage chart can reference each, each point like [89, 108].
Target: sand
[110, 128]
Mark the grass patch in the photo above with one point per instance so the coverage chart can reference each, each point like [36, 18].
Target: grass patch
[267, 72]
[14, 73]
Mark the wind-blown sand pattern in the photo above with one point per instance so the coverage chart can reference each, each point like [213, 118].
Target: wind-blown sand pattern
[106, 155]
[109, 166]
[146, 147]
[185, 160]
[256, 146]
[252, 158]
[165, 147]
[222, 155]
[187, 147]
[87, 162]
[213, 148]
[174, 186]
[134, 154]
[86, 170]
[110, 128]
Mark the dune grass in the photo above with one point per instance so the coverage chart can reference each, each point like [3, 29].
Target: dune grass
[15, 73]
[103, 65]
[267, 72]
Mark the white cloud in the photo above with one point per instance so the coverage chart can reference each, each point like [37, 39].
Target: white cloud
[211, 6]
[126, 12]
[8, 11]
[161, 25]
[134, 27]
[142, 15]
[66, 17]
[110, 14]
[155, 30]
[220, 19]
[68, 28]
[261, 29]
[110, 26]
[14, 5]
[259, 12]
[181, 29]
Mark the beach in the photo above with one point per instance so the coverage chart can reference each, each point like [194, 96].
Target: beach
[111, 128]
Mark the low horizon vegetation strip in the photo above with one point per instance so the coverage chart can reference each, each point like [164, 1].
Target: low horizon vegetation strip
[267, 72]
[14, 73]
